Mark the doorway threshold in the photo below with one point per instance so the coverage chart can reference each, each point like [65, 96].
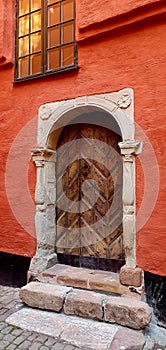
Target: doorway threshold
[91, 262]
[83, 278]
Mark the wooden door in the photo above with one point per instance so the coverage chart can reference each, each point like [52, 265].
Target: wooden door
[90, 226]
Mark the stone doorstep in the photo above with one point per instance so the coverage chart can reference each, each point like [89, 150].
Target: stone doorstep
[96, 280]
[44, 296]
[123, 310]
[127, 339]
[85, 304]
[83, 333]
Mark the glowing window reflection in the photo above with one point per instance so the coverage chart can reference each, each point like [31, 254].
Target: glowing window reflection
[35, 42]
[35, 5]
[45, 36]
[36, 21]
[67, 10]
[54, 14]
[53, 58]
[23, 7]
[67, 55]
[24, 25]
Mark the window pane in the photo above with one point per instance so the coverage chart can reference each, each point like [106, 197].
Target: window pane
[36, 21]
[67, 32]
[67, 10]
[24, 25]
[67, 55]
[24, 46]
[23, 7]
[35, 42]
[35, 4]
[49, 2]
[53, 36]
[35, 63]
[57, 27]
[53, 14]
[53, 59]
[23, 67]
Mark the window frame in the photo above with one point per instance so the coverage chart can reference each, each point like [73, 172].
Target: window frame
[44, 47]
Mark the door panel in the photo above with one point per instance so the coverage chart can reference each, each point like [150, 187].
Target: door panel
[88, 227]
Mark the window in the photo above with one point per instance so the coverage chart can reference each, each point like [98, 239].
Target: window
[45, 37]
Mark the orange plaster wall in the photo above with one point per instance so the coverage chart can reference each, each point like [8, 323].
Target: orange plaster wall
[1, 29]
[7, 26]
[96, 11]
[132, 58]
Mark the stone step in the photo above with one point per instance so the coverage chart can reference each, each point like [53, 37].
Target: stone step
[75, 331]
[84, 278]
[123, 310]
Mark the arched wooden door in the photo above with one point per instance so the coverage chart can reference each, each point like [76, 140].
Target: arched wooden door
[89, 213]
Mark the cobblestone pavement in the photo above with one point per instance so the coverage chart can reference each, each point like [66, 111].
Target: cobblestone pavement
[15, 338]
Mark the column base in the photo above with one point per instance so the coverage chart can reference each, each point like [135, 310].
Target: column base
[131, 276]
[39, 264]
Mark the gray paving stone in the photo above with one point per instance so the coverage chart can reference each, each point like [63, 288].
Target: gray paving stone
[11, 347]
[11, 305]
[17, 331]
[33, 336]
[50, 342]
[58, 346]
[25, 345]
[2, 311]
[6, 330]
[2, 325]
[3, 344]
[19, 340]
[6, 314]
[41, 338]
[26, 334]
[35, 346]
[9, 337]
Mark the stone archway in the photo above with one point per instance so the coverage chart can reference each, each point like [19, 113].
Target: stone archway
[52, 118]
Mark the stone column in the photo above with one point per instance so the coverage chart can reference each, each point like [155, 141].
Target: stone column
[45, 255]
[128, 150]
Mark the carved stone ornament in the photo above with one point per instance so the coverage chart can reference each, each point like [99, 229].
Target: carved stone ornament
[46, 111]
[124, 101]
[130, 147]
[43, 154]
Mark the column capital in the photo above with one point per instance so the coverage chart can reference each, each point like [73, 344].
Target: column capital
[43, 155]
[130, 147]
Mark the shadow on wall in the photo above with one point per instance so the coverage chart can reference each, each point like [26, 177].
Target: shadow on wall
[13, 270]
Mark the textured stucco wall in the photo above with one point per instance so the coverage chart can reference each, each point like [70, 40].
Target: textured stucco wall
[94, 11]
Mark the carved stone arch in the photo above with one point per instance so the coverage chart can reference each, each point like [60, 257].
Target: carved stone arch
[52, 118]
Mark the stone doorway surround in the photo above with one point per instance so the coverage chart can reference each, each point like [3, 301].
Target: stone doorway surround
[52, 118]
